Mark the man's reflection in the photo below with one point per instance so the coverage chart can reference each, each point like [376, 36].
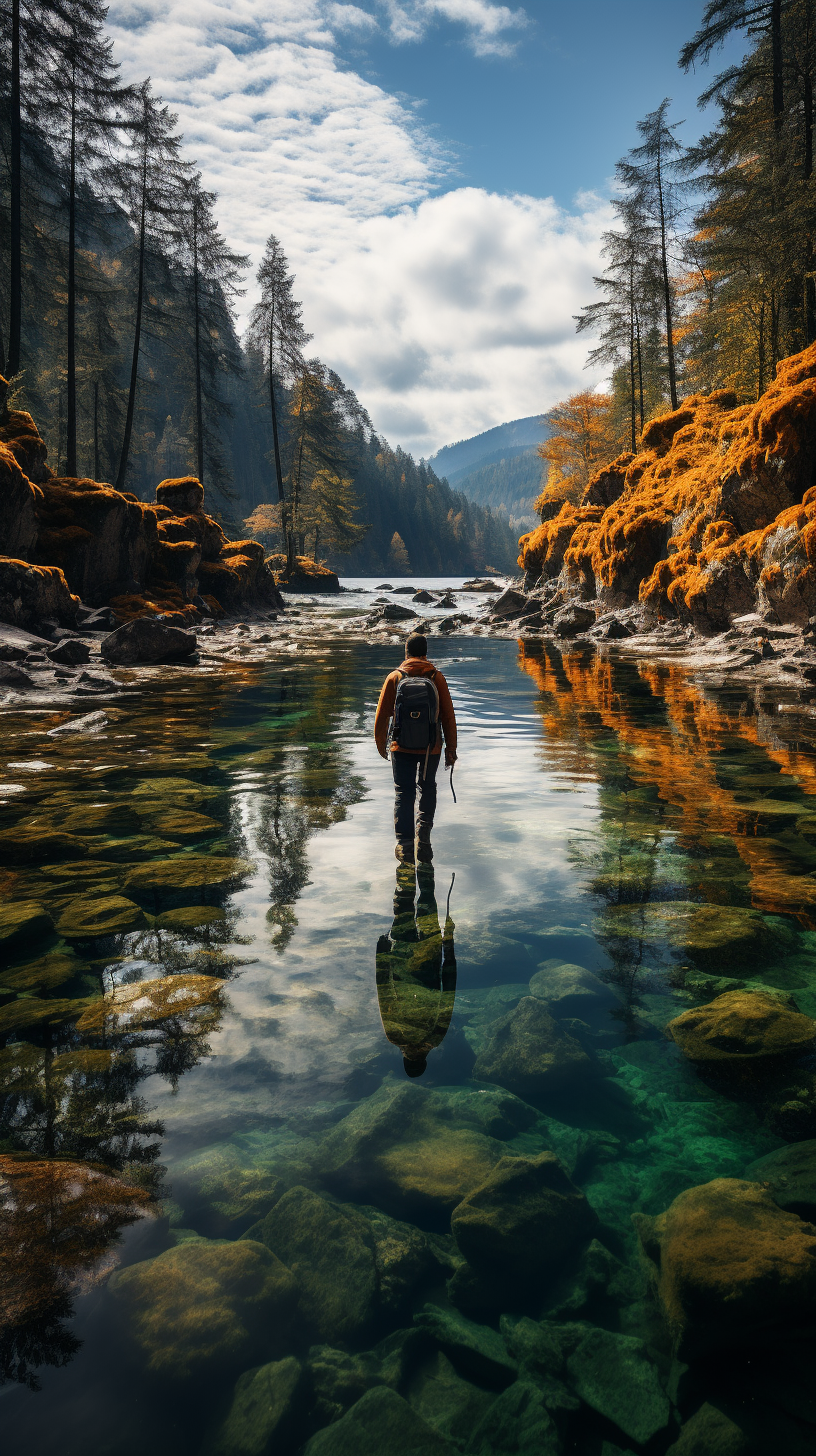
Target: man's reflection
[416, 970]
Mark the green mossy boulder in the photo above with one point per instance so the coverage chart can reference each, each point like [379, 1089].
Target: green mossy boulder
[541, 1350]
[381, 1423]
[86, 919]
[530, 1054]
[730, 1267]
[185, 824]
[329, 1249]
[517, 1422]
[490, 1110]
[184, 873]
[264, 1412]
[742, 1028]
[453, 1406]
[43, 974]
[613, 1374]
[715, 937]
[524, 1222]
[205, 1308]
[571, 990]
[710, 1432]
[35, 843]
[190, 917]
[113, 819]
[22, 923]
[337, 1379]
[789, 1175]
[221, 1192]
[404, 1258]
[30, 1011]
[476, 1351]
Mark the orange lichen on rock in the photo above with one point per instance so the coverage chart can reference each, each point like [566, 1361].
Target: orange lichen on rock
[715, 515]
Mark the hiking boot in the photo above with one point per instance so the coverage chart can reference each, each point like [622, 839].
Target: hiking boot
[424, 851]
[404, 852]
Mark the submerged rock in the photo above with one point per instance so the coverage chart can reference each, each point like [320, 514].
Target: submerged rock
[476, 1351]
[742, 1027]
[329, 1249]
[715, 936]
[146, 639]
[572, 990]
[207, 1307]
[789, 1175]
[381, 1421]
[264, 1409]
[530, 1054]
[113, 915]
[22, 923]
[710, 1432]
[186, 872]
[613, 1374]
[453, 1406]
[730, 1266]
[517, 1421]
[523, 1221]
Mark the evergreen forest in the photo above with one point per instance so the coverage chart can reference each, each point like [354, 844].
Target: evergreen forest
[709, 277]
[118, 330]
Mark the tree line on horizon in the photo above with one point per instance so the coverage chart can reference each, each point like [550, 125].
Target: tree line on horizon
[710, 277]
[117, 324]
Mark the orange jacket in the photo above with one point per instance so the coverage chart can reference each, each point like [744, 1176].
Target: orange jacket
[415, 667]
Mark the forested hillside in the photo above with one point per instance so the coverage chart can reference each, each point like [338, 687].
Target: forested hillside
[118, 333]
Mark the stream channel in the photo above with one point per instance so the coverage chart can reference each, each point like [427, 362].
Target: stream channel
[227, 1168]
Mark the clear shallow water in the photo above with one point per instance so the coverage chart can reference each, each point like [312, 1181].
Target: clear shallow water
[218, 862]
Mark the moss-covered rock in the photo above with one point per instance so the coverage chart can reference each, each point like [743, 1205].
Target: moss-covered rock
[86, 919]
[714, 936]
[329, 1249]
[222, 1193]
[789, 1175]
[43, 974]
[381, 1421]
[191, 1001]
[22, 923]
[30, 1011]
[207, 1307]
[742, 1027]
[264, 1411]
[730, 1266]
[184, 873]
[114, 819]
[530, 1054]
[523, 1222]
[453, 1406]
[34, 842]
[572, 990]
[190, 917]
[517, 1421]
[475, 1350]
[613, 1374]
[710, 1432]
[185, 824]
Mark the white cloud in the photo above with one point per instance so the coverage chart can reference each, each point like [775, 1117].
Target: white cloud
[484, 23]
[448, 313]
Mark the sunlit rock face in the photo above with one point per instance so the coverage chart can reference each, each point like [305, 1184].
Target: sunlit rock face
[712, 518]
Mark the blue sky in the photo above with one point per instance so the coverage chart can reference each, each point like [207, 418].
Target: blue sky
[438, 172]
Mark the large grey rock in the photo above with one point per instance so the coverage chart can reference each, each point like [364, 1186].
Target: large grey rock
[789, 1174]
[381, 1423]
[524, 1221]
[393, 612]
[518, 1421]
[70, 652]
[613, 1374]
[569, 621]
[510, 604]
[263, 1411]
[14, 677]
[572, 990]
[476, 1351]
[530, 1054]
[146, 639]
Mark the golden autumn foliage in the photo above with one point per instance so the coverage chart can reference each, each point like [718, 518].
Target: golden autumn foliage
[714, 513]
[578, 443]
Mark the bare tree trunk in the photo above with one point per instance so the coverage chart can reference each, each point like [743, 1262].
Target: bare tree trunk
[71, 439]
[275, 437]
[666, 290]
[96, 430]
[776, 53]
[761, 359]
[15, 239]
[199, 408]
[632, 357]
[137, 335]
[640, 370]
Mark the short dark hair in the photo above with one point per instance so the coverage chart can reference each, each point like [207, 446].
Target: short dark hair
[417, 645]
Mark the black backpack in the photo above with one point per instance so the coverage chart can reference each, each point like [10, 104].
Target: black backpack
[416, 714]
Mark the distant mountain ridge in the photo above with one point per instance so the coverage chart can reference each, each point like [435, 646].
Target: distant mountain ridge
[499, 468]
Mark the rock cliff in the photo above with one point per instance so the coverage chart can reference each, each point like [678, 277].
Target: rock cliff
[714, 517]
[67, 542]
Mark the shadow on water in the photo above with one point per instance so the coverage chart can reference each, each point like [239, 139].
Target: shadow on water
[226, 1156]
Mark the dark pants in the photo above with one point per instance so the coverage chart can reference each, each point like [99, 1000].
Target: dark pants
[407, 769]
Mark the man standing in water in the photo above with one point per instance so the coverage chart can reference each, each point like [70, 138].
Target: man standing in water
[416, 703]
[416, 973]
